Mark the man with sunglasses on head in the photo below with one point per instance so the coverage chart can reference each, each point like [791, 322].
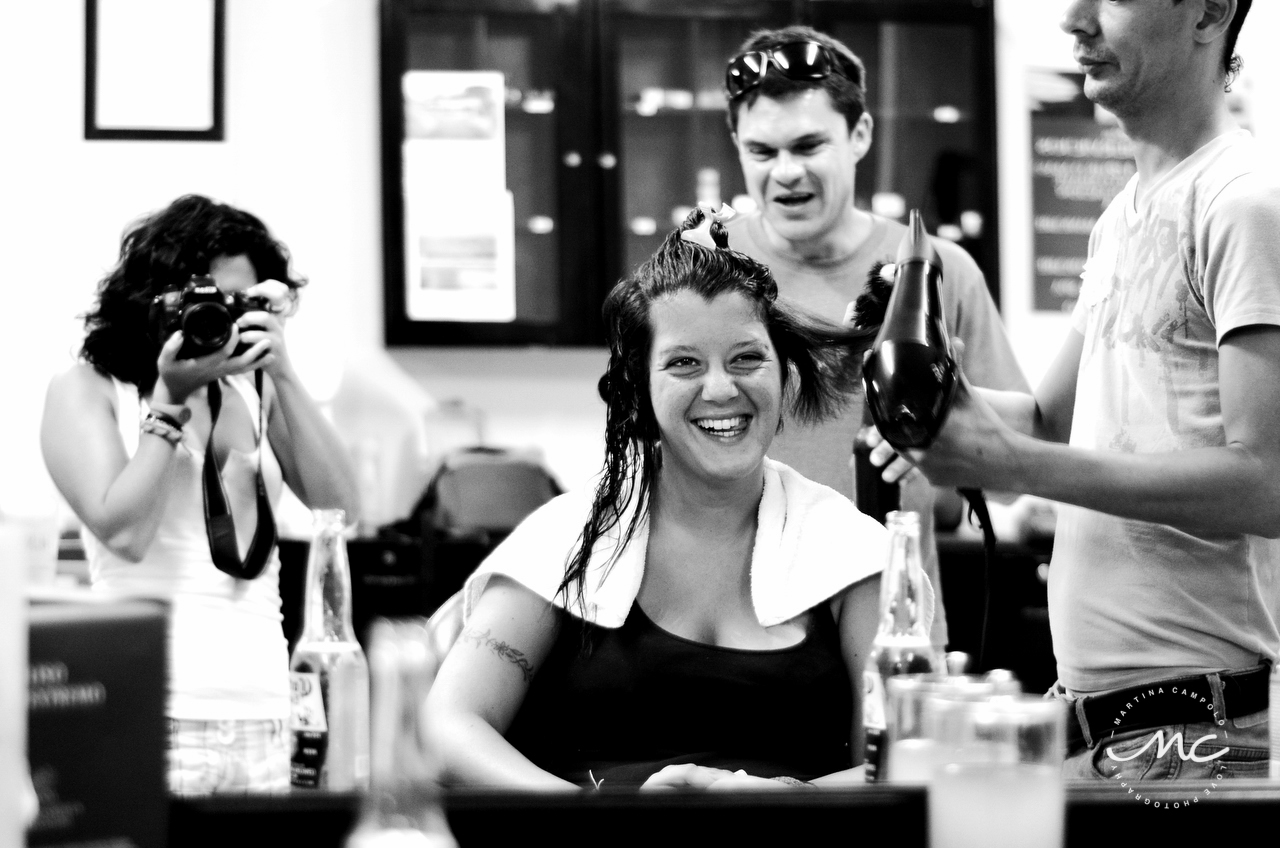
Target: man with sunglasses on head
[797, 111]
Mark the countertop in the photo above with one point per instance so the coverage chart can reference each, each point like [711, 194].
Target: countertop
[1096, 815]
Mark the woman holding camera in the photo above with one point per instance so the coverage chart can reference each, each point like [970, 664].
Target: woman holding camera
[127, 434]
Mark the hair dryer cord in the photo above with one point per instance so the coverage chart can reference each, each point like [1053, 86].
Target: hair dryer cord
[978, 506]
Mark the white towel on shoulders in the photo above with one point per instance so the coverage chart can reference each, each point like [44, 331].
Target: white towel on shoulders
[811, 544]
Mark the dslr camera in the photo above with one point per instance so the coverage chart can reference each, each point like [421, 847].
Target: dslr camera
[204, 313]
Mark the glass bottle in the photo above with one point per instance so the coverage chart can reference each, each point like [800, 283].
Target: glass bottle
[901, 645]
[402, 806]
[328, 672]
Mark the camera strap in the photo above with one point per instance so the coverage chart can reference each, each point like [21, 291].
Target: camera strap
[218, 522]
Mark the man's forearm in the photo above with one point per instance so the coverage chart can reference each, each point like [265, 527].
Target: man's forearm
[1220, 490]
[1017, 409]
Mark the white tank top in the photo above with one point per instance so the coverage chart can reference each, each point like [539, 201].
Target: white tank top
[228, 658]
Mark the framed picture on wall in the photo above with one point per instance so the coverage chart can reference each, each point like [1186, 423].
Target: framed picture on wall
[154, 70]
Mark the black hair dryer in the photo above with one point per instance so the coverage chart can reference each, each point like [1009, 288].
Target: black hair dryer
[909, 375]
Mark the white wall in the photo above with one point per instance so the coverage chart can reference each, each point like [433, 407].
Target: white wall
[301, 151]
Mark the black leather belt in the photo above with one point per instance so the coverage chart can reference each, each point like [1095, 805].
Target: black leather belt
[1165, 702]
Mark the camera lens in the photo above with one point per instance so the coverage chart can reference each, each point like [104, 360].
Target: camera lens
[206, 326]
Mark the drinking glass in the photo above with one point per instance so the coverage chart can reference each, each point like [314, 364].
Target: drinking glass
[30, 542]
[911, 743]
[999, 781]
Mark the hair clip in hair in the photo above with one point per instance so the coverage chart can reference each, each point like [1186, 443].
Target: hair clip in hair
[701, 234]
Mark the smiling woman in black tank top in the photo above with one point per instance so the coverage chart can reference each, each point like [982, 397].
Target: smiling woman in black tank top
[701, 616]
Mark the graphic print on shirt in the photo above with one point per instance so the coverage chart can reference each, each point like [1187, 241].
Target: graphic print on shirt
[1150, 333]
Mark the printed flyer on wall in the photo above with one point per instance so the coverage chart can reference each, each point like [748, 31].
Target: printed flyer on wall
[459, 216]
[1080, 160]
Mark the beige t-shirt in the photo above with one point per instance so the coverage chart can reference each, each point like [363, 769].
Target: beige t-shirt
[1167, 278]
[822, 452]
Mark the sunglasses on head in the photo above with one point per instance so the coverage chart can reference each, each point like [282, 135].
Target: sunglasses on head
[795, 60]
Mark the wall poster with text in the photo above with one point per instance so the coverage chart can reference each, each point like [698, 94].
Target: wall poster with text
[459, 215]
[1080, 160]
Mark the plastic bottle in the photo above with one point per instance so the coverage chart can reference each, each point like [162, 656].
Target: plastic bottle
[402, 806]
[329, 675]
[902, 644]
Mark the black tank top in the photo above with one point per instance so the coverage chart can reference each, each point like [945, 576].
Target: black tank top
[642, 698]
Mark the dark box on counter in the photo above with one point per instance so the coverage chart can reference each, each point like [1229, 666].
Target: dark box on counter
[96, 733]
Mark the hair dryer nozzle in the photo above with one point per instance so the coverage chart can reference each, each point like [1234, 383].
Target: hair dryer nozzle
[909, 375]
[915, 245]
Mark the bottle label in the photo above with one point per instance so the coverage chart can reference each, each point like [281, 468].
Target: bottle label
[310, 729]
[872, 701]
[307, 763]
[873, 722]
[306, 702]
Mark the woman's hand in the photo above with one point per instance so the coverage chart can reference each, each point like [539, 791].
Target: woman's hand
[739, 780]
[279, 297]
[685, 776]
[691, 776]
[259, 334]
[178, 378]
[262, 330]
[263, 334]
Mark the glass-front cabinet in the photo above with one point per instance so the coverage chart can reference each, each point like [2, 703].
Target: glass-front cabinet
[534, 151]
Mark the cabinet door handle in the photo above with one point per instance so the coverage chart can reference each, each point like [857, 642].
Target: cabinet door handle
[607, 161]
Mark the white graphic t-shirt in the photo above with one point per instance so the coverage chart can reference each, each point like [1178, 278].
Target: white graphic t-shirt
[1169, 275]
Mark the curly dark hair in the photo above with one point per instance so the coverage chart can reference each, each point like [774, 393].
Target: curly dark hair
[161, 252]
[819, 363]
[847, 88]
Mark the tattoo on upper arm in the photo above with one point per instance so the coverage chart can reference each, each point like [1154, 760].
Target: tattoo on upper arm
[485, 639]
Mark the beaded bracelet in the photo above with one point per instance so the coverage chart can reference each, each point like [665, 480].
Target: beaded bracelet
[157, 426]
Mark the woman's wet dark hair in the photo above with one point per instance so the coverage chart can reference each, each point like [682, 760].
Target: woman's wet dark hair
[819, 363]
[161, 252]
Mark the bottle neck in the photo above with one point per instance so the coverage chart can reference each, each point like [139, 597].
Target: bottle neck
[326, 612]
[902, 586]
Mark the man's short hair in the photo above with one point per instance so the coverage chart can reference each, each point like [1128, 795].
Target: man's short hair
[847, 88]
[1230, 59]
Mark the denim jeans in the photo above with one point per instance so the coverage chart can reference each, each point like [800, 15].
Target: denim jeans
[235, 757]
[1206, 750]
